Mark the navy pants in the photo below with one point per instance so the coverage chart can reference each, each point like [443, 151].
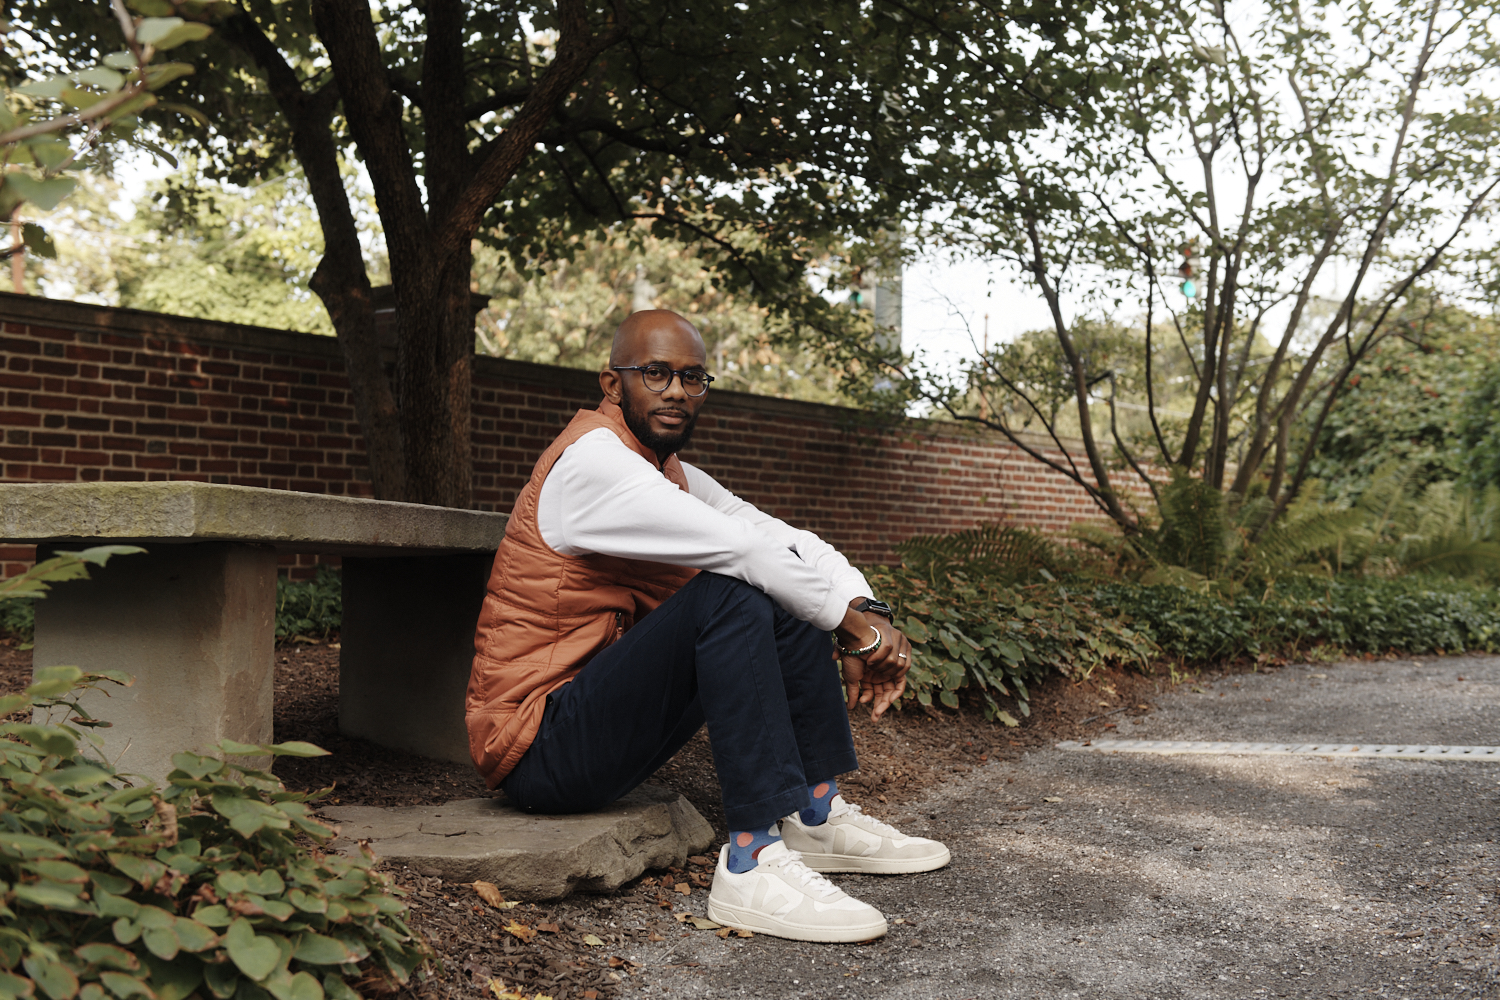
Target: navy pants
[718, 651]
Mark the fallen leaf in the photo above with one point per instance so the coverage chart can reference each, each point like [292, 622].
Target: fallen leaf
[592, 941]
[698, 859]
[704, 924]
[883, 798]
[682, 917]
[490, 894]
[653, 936]
[745, 933]
[683, 888]
[615, 961]
[1051, 798]
[501, 993]
[590, 995]
[519, 931]
[548, 928]
[722, 933]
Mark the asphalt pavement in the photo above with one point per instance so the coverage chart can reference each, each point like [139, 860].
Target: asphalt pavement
[1088, 875]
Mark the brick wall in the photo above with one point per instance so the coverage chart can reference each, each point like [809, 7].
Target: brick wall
[92, 393]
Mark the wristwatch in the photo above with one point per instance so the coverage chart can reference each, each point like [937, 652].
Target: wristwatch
[879, 607]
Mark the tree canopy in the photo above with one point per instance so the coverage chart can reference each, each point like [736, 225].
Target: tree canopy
[765, 135]
[1274, 189]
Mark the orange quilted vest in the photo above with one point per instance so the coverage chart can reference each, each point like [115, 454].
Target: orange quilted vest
[545, 614]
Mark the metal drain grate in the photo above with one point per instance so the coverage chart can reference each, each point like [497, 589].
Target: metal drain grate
[1399, 751]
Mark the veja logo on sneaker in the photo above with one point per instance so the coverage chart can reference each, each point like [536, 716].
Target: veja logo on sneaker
[852, 841]
[762, 899]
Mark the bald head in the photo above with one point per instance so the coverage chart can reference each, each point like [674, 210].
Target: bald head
[656, 335]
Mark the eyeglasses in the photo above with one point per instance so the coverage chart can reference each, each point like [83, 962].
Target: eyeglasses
[658, 377]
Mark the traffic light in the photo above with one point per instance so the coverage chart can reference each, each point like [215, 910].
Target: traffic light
[1188, 268]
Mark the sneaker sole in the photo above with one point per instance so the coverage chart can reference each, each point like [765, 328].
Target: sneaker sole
[764, 923]
[874, 866]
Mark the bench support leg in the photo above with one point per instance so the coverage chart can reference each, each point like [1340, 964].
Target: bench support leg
[194, 623]
[407, 645]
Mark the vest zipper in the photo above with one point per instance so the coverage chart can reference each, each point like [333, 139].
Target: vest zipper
[619, 625]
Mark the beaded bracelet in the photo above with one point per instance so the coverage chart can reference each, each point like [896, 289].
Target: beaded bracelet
[864, 650]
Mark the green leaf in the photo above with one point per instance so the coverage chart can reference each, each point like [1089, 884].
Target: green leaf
[52, 87]
[1008, 719]
[124, 986]
[101, 77]
[108, 955]
[335, 988]
[50, 895]
[197, 765]
[318, 949]
[165, 35]
[111, 905]
[193, 935]
[307, 902]
[145, 871]
[212, 916]
[175, 980]
[161, 942]
[44, 194]
[55, 979]
[266, 883]
[222, 978]
[79, 776]
[295, 748]
[240, 749]
[121, 60]
[14, 987]
[38, 241]
[255, 955]
[53, 682]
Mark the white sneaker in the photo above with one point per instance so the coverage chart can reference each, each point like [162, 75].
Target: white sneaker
[850, 841]
[783, 897]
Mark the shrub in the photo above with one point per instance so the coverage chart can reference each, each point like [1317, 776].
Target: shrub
[213, 886]
[310, 608]
[1000, 639]
[1358, 614]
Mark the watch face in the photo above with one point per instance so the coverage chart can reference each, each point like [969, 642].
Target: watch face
[879, 607]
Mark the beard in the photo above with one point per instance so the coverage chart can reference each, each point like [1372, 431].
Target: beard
[663, 444]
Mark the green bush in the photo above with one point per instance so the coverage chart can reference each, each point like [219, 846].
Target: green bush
[1357, 614]
[212, 885]
[999, 639]
[18, 621]
[310, 608]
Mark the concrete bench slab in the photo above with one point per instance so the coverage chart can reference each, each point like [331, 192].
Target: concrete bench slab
[532, 857]
[193, 618]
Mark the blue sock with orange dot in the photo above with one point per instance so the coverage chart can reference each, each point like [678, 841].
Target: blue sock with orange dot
[822, 800]
[745, 847]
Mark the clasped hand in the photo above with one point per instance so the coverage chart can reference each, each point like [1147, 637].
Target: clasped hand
[879, 678]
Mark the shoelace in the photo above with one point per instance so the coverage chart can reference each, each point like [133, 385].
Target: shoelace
[884, 829]
[791, 864]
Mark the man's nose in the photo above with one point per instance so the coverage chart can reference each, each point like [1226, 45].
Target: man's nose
[674, 389]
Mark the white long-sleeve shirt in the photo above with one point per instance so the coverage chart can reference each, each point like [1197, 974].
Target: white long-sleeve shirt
[601, 497]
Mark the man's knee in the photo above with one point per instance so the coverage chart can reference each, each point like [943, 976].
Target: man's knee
[730, 591]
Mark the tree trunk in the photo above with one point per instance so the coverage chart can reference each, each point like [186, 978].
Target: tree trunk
[434, 371]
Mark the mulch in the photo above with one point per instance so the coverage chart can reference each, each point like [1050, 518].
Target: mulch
[579, 947]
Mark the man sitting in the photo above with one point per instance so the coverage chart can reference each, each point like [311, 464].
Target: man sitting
[633, 599]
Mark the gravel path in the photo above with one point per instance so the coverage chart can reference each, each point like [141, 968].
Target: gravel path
[1102, 876]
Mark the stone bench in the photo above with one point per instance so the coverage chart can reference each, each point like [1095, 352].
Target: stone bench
[193, 617]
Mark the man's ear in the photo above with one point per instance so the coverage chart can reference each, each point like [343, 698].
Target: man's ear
[609, 382]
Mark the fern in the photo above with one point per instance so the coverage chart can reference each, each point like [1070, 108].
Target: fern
[996, 552]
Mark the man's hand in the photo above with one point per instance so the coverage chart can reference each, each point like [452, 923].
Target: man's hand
[878, 678]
